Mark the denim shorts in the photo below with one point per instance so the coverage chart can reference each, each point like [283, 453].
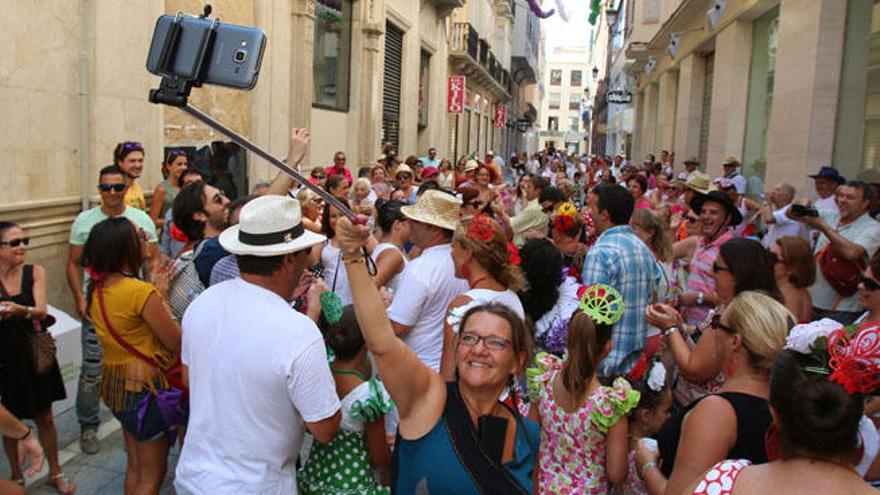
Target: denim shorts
[153, 425]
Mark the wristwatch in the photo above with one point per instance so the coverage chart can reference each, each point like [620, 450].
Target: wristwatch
[667, 332]
[646, 467]
[700, 296]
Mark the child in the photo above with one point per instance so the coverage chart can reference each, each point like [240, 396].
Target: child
[346, 464]
[583, 440]
[655, 405]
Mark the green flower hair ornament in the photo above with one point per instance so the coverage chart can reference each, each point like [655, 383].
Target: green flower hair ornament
[603, 303]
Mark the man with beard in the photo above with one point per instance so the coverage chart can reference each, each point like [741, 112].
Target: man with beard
[200, 212]
[129, 156]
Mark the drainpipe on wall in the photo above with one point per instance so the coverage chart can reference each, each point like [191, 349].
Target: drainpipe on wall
[85, 121]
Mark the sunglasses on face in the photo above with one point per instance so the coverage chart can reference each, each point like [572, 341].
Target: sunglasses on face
[404, 176]
[716, 323]
[111, 187]
[718, 268]
[16, 242]
[869, 283]
[491, 342]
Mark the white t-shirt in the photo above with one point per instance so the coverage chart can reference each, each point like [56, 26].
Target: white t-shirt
[334, 272]
[427, 286]
[257, 370]
[394, 282]
[784, 227]
[826, 204]
[485, 296]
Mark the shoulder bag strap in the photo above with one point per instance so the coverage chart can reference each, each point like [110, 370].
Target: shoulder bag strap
[490, 477]
[118, 338]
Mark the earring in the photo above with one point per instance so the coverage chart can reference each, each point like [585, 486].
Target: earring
[465, 271]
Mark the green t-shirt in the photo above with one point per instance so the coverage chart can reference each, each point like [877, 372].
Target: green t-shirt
[85, 221]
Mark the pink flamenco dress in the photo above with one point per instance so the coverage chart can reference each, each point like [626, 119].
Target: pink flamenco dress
[572, 452]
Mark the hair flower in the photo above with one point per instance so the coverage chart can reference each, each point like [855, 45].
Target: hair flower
[802, 336]
[513, 254]
[567, 209]
[95, 274]
[657, 376]
[563, 223]
[855, 360]
[481, 228]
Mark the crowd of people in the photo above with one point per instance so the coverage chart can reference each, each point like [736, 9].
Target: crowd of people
[549, 323]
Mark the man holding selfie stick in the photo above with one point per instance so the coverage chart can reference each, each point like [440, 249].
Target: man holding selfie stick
[849, 238]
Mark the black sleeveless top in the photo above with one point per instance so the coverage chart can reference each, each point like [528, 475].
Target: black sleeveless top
[752, 420]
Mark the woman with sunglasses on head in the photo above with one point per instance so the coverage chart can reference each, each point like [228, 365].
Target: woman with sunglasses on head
[794, 268]
[389, 254]
[141, 342]
[23, 391]
[163, 196]
[438, 448]
[741, 265]
[129, 156]
[732, 423]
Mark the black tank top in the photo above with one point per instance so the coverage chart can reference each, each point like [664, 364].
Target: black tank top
[752, 420]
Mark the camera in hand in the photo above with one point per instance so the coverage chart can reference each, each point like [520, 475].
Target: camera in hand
[804, 211]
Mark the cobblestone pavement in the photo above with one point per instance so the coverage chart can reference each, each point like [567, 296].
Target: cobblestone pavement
[99, 474]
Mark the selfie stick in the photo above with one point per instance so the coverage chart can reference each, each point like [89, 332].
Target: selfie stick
[174, 91]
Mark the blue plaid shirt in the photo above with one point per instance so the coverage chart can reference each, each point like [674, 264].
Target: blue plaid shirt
[623, 261]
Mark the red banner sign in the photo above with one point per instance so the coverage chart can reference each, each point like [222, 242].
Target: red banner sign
[455, 96]
[500, 116]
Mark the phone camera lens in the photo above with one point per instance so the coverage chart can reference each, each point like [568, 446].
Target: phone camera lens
[239, 55]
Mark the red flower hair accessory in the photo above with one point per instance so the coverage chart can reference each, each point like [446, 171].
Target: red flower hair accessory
[563, 223]
[178, 234]
[481, 228]
[513, 254]
[855, 360]
[95, 275]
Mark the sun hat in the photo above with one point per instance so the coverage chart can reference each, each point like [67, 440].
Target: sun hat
[471, 165]
[828, 173]
[699, 182]
[730, 160]
[720, 198]
[429, 173]
[692, 159]
[436, 208]
[403, 169]
[269, 225]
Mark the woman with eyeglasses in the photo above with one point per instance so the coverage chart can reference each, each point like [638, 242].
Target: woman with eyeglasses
[439, 448]
[163, 196]
[24, 392]
[732, 423]
[794, 268]
[141, 341]
[404, 178]
[741, 265]
[312, 209]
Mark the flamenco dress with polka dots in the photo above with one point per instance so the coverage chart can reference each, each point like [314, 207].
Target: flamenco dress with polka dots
[342, 467]
[720, 479]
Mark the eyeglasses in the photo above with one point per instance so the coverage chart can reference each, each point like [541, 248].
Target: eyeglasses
[16, 242]
[547, 209]
[317, 201]
[492, 342]
[715, 322]
[112, 187]
[339, 159]
[869, 283]
[717, 268]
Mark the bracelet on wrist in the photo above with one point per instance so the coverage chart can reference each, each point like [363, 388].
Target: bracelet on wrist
[25, 436]
[670, 330]
[645, 468]
[28, 313]
[353, 260]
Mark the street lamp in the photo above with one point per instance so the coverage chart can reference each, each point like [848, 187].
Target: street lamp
[595, 72]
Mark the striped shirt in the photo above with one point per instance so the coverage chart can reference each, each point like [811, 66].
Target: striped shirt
[701, 277]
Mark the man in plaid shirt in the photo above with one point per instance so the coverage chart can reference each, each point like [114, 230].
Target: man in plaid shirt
[620, 259]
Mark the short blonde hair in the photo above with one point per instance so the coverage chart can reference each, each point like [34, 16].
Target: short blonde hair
[763, 323]
[305, 195]
[362, 182]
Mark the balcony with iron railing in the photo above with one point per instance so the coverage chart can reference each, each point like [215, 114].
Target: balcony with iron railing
[445, 7]
[474, 58]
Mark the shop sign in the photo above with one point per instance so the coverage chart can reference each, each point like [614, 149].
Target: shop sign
[455, 96]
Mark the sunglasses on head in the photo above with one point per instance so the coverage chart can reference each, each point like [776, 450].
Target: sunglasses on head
[111, 187]
[16, 242]
[869, 283]
[128, 145]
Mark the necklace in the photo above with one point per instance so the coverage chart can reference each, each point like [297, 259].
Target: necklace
[473, 285]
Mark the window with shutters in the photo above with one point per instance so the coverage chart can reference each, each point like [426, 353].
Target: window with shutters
[332, 54]
[573, 123]
[576, 78]
[556, 77]
[555, 100]
[708, 74]
[574, 101]
[391, 94]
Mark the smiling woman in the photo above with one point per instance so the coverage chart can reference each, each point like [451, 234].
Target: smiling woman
[439, 447]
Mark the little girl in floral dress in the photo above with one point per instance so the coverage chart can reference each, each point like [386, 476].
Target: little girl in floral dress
[583, 440]
[655, 404]
[347, 464]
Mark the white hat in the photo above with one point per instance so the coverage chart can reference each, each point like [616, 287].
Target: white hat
[269, 226]
[435, 207]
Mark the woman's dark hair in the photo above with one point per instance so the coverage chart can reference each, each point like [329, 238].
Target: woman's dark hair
[427, 186]
[333, 182]
[799, 260]
[817, 418]
[345, 336]
[643, 182]
[541, 263]
[519, 333]
[649, 398]
[189, 201]
[388, 212]
[113, 246]
[4, 226]
[751, 266]
[326, 229]
[123, 149]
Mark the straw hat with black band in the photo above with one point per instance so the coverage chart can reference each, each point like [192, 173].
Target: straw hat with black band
[436, 208]
[269, 226]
